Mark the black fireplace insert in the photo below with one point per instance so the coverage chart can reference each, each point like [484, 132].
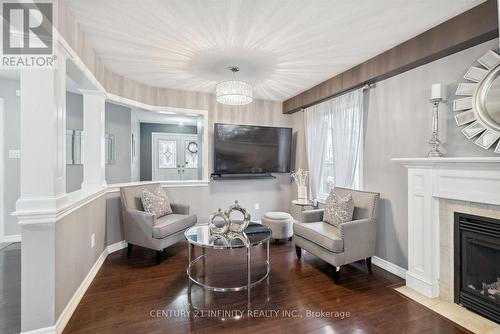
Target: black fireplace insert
[477, 264]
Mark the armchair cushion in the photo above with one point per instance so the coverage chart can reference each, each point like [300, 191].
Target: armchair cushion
[338, 209]
[182, 209]
[173, 223]
[156, 202]
[322, 234]
[312, 216]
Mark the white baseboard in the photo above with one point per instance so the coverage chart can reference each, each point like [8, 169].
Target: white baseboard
[80, 292]
[117, 246]
[389, 266]
[45, 330]
[11, 238]
[66, 314]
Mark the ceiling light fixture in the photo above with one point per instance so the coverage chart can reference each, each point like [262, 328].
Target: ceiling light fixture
[234, 92]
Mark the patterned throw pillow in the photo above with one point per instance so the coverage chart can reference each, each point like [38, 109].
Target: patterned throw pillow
[338, 210]
[156, 202]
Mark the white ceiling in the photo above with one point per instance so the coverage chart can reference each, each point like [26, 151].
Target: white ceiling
[282, 46]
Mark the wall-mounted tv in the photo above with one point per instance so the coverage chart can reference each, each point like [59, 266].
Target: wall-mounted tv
[247, 149]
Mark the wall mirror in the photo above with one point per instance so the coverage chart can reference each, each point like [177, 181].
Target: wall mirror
[478, 102]
[74, 147]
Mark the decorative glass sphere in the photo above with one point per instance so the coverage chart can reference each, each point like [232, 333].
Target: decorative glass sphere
[218, 222]
[237, 226]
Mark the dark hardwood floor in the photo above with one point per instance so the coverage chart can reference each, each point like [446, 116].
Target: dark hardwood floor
[10, 289]
[135, 296]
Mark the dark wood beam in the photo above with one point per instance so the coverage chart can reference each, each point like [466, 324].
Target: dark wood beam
[473, 27]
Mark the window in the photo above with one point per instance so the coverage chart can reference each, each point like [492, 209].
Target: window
[327, 181]
[334, 132]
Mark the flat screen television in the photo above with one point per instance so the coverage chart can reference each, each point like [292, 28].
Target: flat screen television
[247, 149]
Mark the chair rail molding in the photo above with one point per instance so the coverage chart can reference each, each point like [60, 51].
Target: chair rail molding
[431, 179]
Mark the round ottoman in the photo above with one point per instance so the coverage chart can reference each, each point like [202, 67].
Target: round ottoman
[280, 224]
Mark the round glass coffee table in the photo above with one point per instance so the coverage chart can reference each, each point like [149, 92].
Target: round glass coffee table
[255, 234]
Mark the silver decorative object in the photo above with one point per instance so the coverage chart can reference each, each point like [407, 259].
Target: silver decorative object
[221, 228]
[478, 105]
[434, 141]
[219, 240]
[237, 226]
[238, 236]
[436, 98]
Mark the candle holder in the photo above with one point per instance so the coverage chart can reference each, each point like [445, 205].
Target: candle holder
[434, 141]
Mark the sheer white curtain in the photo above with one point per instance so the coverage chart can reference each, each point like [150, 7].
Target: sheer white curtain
[334, 143]
[316, 130]
[347, 138]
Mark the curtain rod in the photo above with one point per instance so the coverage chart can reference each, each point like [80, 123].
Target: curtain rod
[364, 87]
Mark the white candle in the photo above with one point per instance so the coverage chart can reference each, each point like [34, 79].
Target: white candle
[436, 91]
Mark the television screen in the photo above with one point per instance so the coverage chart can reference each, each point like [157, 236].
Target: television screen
[246, 149]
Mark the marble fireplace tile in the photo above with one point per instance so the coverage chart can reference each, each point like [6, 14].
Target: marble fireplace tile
[485, 210]
[446, 245]
[464, 317]
[452, 205]
[453, 312]
[419, 298]
[494, 331]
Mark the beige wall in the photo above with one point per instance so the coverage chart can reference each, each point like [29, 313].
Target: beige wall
[73, 255]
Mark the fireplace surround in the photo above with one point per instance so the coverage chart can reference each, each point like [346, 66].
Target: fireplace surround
[477, 264]
[437, 189]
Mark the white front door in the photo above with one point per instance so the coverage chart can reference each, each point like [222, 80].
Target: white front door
[174, 157]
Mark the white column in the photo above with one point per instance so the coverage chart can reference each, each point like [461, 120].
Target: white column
[43, 138]
[94, 163]
[43, 188]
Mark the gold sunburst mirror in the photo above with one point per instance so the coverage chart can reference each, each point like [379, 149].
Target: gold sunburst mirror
[478, 102]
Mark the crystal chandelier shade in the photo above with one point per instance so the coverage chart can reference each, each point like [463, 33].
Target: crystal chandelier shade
[234, 92]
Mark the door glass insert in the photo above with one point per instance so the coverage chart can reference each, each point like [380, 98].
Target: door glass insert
[191, 153]
[167, 153]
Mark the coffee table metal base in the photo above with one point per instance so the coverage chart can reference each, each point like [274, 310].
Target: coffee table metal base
[249, 284]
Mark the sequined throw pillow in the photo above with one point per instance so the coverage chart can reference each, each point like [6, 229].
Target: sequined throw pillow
[338, 210]
[156, 202]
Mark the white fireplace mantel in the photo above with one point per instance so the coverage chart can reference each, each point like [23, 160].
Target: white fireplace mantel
[429, 179]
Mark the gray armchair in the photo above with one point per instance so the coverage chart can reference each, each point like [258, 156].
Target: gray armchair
[144, 229]
[351, 241]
